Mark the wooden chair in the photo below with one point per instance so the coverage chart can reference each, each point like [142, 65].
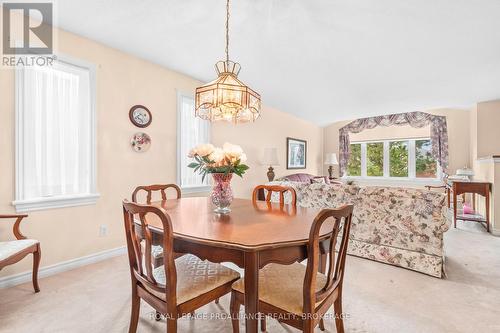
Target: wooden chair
[13, 251]
[157, 239]
[149, 189]
[258, 191]
[176, 288]
[299, 295]
[157, 250]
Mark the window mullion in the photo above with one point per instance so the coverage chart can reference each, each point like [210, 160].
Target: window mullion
[363, 159]
[386, 159]
[411, 159]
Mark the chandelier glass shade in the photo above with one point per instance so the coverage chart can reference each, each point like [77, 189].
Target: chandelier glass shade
[227, 98]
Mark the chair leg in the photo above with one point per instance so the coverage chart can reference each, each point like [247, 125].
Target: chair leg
[235, 312]
[171, 325]
[134, 315]
[322, 324]
[263, 323]
[36, 264]
[308, 326]
[339, 322]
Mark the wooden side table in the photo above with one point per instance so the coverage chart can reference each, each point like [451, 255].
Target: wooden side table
[474, 187]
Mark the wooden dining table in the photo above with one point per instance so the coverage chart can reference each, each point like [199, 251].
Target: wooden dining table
[251, 236]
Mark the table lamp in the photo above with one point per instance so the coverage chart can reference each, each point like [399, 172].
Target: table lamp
[270, 158]
[331, 160]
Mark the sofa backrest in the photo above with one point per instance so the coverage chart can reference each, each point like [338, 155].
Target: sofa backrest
[303, 178]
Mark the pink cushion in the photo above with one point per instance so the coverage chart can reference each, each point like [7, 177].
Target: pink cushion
[304, 178]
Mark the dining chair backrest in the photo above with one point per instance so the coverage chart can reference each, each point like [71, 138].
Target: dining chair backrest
[341, 224]
[278, 189]
[149, 189]
[140, 257]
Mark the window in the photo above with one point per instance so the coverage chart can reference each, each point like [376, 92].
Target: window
[191, 131]
[375, 159]
[398, 159]
[354, 165]
[395, 159]
[426, 166]
[55, 135]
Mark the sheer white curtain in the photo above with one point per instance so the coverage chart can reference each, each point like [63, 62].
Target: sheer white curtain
[56, 120]
[192, 132]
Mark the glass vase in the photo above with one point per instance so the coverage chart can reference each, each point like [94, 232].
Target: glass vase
[222, 194]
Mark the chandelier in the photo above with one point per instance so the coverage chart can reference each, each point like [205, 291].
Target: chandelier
[227, 98]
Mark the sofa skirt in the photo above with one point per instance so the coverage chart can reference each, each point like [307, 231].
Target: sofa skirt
[415, 261]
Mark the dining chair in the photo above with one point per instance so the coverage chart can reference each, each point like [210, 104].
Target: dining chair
[157, 251]
[150, 189]
[260, 189]
[13, 251]
[179, 286]
[298, 294]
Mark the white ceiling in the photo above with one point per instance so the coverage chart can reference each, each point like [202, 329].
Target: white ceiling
[321, 60]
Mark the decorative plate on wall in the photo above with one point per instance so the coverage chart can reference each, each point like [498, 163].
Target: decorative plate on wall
[140, 142]
[140, 116]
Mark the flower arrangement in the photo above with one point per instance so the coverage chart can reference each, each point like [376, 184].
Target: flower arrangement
[227, 160]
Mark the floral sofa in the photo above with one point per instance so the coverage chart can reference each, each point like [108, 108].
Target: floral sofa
[398, 226]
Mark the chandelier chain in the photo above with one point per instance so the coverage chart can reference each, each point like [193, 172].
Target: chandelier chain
[227, 30]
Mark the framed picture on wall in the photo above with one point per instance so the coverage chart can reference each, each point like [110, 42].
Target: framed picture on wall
[296, 153]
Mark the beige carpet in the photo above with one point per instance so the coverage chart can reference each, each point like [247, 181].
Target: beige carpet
[378, 297]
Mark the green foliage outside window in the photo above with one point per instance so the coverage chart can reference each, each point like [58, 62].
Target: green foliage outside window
[398, 159]
[375, 159]
[354, 165]
[426, 166]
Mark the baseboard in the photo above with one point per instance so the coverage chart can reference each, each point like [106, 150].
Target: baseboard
[13, 280]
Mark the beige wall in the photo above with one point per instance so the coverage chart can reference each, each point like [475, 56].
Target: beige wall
[270, 130]
[458, 134]
[488, 133]
[485, 143]
[123, 81]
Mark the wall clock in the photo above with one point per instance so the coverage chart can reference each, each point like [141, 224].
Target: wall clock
[140, 116]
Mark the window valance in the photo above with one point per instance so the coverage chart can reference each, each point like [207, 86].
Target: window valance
[439, 133]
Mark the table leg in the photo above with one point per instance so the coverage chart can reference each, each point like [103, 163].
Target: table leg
[487, 213]
[251, 291]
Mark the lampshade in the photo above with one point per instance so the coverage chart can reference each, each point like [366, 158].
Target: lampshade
[331, 159]
[270, 156]
[227, 98]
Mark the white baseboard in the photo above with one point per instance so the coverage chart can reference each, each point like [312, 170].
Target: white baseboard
[13, 280]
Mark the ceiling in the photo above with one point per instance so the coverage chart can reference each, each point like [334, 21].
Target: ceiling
[321, 60]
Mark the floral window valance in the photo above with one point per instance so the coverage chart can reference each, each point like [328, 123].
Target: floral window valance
[439, 133]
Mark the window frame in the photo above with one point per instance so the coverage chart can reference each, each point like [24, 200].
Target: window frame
[386, 178]
[187, 189]
[26, 205]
